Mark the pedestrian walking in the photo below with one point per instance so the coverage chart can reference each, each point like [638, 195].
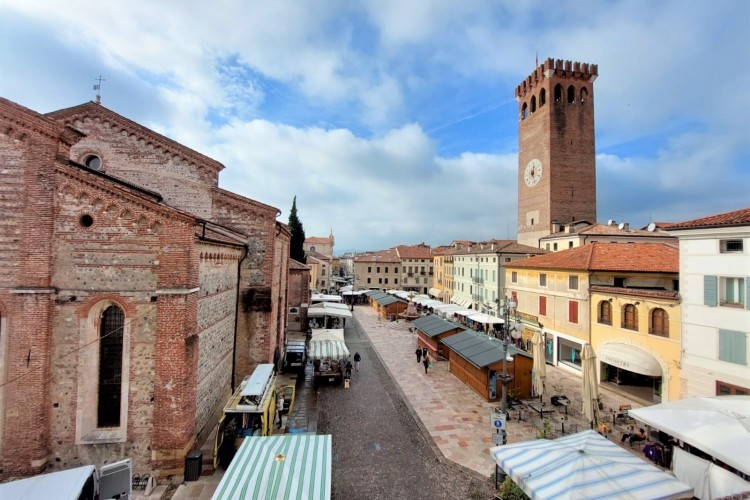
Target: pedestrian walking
[426, 362]
[418, 352]
[280, 407]
[424, 352]
[357, 359]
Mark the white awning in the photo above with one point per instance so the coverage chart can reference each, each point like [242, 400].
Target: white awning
[329, 309]
[485, 318]
[435, 292]
[461, 301]
[319, 297]
[629, 358]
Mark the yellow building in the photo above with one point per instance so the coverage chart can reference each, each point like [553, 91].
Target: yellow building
[438, 289]
[620, 298]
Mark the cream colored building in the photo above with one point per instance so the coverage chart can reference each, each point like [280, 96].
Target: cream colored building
[636, 335]
[377, 270]
[417, 267]
[579, 233]
[323, 246]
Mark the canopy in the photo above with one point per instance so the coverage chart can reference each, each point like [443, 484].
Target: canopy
[328, 309]
[326, 343]
[584, 465]
[630, 358]
[719, 426]
[540, 364]
[431, 303]
[435, 292]
[485, 319]
[461, 301]
[61, 485]
[347, 288]
[319, 297]
[271, 467]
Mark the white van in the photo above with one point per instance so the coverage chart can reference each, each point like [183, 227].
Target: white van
[81, 483]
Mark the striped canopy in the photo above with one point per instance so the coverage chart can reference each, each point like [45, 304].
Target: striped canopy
[327, 344]
[584, 465]
[294, 466]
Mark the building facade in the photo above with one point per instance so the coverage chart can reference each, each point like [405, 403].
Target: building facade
[556, 155]
[715, 286]
[417, 267]
[321, 245]
[134, 292]
[576, 234]
[377, 271]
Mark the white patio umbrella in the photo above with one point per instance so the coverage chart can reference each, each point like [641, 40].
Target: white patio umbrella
[584, 465]
[590, 384]
[540, 366]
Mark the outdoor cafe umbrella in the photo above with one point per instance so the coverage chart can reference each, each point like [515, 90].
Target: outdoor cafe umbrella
[540, 367]
[590, 385]
[584, 465]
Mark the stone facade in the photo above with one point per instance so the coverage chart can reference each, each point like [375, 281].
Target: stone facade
[298, 295]
[199, 274]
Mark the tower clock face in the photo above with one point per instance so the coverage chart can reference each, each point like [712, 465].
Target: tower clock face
[533, 173]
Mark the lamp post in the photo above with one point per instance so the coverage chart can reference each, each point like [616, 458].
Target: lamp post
[509, 309]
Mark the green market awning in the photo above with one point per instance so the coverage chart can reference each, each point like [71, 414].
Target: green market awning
[289, 466]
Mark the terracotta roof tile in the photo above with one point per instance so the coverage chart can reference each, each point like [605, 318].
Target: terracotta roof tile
[381, 256]
[318, 240]
[414, 251]
[628, 257]
[297, 265]
[736, 218]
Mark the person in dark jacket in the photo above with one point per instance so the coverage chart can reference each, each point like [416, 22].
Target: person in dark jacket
[426, 362]
[418, 352]
[357, 359]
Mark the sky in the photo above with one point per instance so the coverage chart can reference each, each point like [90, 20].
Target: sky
[394, 122]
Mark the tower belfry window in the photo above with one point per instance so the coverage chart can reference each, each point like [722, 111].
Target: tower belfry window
[584, 95]
[571, 94]
[524, 111]
[533, 104]
[558, 93]
[542, 97]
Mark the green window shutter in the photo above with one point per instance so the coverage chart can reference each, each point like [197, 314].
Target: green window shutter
[747, 293]
[710, 291]
[733, 347]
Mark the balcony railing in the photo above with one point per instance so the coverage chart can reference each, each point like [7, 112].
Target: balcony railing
[477, 298]
[477, 279]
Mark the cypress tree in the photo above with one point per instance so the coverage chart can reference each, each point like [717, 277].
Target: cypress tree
[296, 248]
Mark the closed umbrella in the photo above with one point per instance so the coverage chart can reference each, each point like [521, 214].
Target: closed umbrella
[540, 367]
[590, 384]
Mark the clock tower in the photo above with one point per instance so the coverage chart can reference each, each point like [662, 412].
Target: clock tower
[556, 156]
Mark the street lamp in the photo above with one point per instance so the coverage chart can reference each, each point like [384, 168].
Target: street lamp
[509, 308]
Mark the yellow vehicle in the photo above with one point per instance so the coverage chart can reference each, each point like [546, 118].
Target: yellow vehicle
[251, 411]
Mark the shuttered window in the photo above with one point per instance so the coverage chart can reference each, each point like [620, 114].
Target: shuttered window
[573, 311]
[542, 306]
[710, 291]
[733, 347]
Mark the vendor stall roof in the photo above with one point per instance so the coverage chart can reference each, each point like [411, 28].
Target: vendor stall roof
[433, 325]
[479, 349]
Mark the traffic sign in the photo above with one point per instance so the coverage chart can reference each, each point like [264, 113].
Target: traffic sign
[497, 439]
[497, 421]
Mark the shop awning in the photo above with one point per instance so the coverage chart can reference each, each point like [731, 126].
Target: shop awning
[329, 309]
[485, 319]
[629, 358]
[288, 466]
[327, 344]
[461, 301]
[435, 292]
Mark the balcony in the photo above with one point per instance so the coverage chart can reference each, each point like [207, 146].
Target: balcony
[410, 274]
[477, 298]
[477, 280]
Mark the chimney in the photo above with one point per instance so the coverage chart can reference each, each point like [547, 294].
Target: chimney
[555, 226]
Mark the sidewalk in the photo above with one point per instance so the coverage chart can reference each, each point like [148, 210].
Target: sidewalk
[458, 419]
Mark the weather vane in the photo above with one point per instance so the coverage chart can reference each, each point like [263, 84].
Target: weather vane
[98, 88]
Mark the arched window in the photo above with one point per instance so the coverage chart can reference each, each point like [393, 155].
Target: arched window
[533, 103]
[605, 312]
[571, 94]
[630, 317]
[524, 111]
[584, 94]
[659, 323]
[542, 97]
[110, 367]
[558, 93]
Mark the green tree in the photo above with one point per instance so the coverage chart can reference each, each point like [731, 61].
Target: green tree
[296, 249]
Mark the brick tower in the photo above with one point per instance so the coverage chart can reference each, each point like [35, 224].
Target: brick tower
[556, 162]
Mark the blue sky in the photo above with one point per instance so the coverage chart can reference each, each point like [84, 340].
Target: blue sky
[394, 122]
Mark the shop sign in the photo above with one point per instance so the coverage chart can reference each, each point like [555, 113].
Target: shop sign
[615, 362]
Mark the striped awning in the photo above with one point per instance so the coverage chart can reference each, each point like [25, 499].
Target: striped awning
[584, 465]
[287, 466]
[327, 344]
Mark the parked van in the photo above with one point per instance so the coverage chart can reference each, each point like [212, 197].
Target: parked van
[80, 483]
[250, 412]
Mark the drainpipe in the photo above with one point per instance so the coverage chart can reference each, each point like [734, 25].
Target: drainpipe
[237, 317]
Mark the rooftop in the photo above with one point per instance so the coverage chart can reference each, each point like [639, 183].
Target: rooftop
[735, 218]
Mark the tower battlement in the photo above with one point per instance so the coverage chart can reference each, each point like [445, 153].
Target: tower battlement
[560, 68]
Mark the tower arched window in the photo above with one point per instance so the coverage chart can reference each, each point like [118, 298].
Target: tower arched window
[110, 367]
[571, 94]
[584, 95]
[524, 111]
[659, 324]
[533, 104]
[542, 97]
[605, 312]
[630, 317]
[558, 93]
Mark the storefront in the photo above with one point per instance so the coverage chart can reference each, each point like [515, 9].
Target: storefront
[631, 370]
[562, 350]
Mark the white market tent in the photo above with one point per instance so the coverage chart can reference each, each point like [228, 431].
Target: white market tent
[719, 426]
[446, 309]
[431, 303]
[319, 297]
[286, 466]
[485, 319]
[329, 309]
[61, 485]
[326, 343]
[347, 288]
[584, 465]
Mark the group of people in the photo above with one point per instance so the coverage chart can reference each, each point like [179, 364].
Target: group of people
[348, 367]
[424, 357]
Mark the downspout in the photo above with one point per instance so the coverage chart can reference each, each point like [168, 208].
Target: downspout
[237, 316]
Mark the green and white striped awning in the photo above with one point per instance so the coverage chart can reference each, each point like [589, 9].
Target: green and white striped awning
[291, 466]
[327, 344]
